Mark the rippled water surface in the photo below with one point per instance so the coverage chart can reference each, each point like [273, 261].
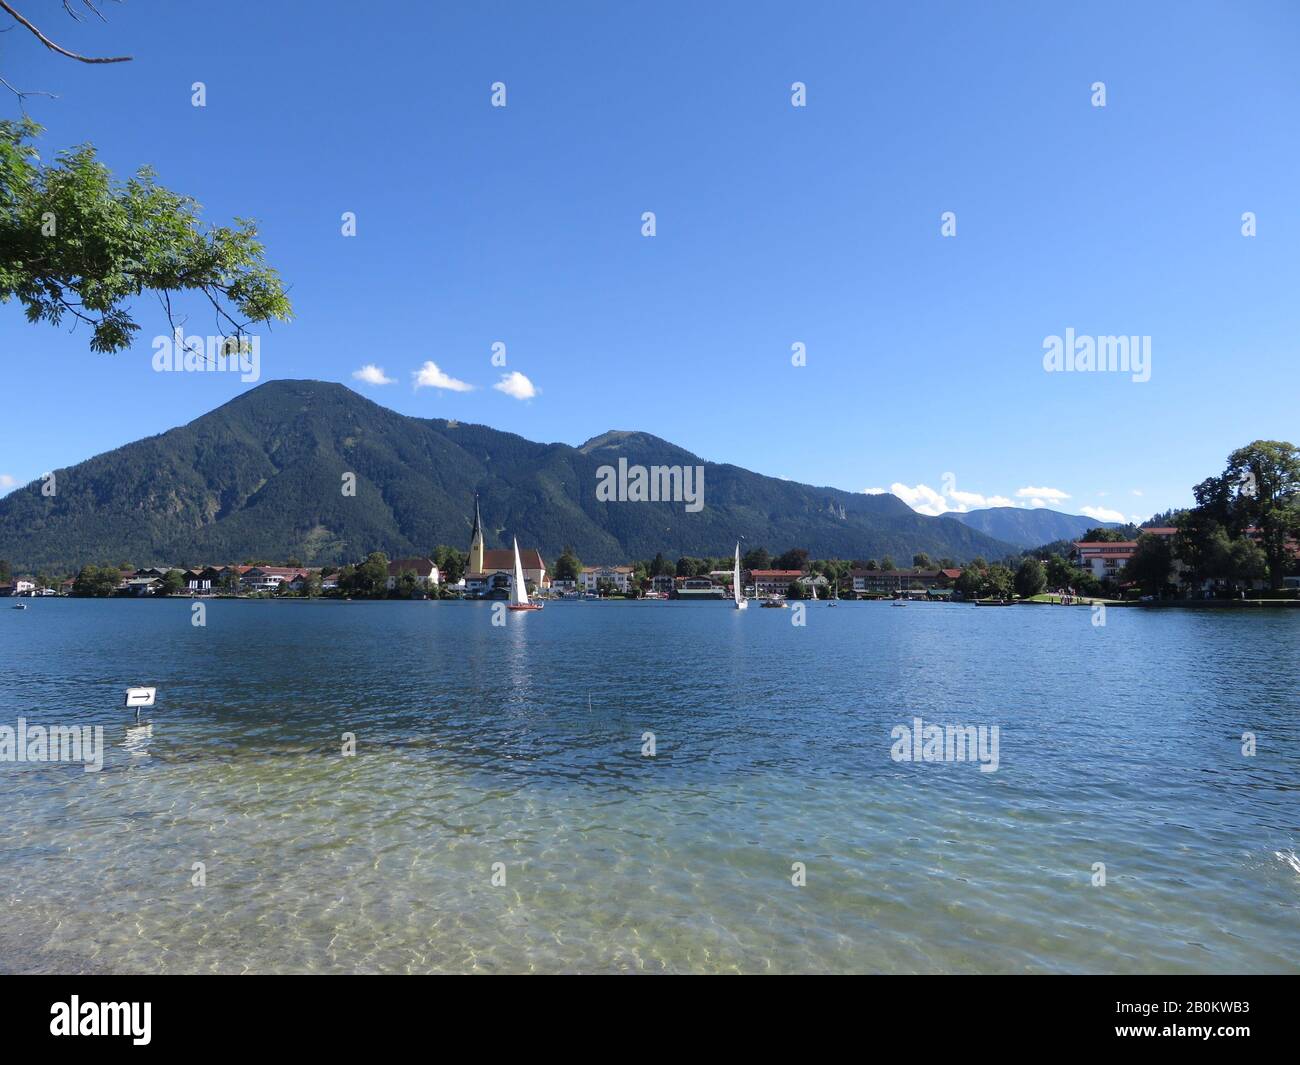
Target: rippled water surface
[522, 745]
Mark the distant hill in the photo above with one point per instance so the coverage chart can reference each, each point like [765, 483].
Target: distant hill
[260, 477]
[1025, 527]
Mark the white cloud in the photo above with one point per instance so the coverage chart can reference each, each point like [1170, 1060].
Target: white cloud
[372, 375]
[922, 498]
[949, 500]
[925, 500]
[7, 481]
[1103, 514]
[429, 376]
[516, 384]
[1054, 494]
[967, 500]
[1136, 492]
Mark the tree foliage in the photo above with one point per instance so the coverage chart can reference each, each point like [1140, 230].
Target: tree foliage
[567, 566]
[1256, 499]
[96, 581]
[77, 244]
[795, 558]
[173, 583]
[1152, 563]
[1031, 578]
[369, 580]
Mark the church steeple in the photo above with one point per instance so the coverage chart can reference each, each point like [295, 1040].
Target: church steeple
[476, 541]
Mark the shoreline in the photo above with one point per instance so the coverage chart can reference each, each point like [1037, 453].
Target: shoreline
[1159, 604]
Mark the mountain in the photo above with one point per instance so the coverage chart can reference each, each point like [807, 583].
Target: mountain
[1029, 528]
[262, 477]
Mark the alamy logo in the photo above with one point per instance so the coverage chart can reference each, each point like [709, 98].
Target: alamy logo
[1088, 354]
[55, 743]
[102, 1018]
[657, 484]
[235, 354]
[946, 743]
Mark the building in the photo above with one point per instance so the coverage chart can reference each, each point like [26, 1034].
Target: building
[697, 588]
[893, 581]
[202, 581]
[230, 576]
[1105, 560]
[664, 583]
[492, 571]
[303, 580]
[426, 573]
[809, 581]
[619, 576]
[139, 586]
[267, 578]
[770, 582]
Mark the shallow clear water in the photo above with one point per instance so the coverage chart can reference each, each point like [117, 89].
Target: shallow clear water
[522, 745]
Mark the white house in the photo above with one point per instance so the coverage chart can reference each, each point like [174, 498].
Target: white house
[774, 582]
[426, 573]
[267, 578]
[619, 576]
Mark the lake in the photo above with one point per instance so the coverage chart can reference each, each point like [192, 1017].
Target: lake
[500, 815]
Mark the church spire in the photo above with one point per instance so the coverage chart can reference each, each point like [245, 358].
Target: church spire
[476, 541]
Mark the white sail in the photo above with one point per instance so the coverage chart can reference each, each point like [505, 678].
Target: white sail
[737, 591]
[518, 591]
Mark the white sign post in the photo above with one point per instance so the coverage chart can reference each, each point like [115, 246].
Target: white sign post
[138, 697]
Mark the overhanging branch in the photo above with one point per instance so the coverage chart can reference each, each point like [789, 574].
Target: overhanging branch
[4, 5]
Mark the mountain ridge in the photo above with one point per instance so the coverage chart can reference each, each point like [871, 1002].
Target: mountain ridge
[261, 476]
[1026, 527]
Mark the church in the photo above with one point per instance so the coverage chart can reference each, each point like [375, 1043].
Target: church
[489, 570]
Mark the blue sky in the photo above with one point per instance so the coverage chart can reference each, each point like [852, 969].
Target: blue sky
[775, 225]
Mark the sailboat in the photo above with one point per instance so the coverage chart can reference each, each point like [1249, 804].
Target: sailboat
[736, 590]
[518, 590]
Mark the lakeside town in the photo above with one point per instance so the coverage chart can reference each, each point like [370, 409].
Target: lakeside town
[1103, 566]
[1237, 545]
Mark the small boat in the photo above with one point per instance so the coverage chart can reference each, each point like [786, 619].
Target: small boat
[21, 606]
[518, 590]
[995, 602]
[775, 604]
[736, 590]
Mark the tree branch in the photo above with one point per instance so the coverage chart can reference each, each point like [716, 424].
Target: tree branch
[67, 6]
[58, 48]
[22, 94]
